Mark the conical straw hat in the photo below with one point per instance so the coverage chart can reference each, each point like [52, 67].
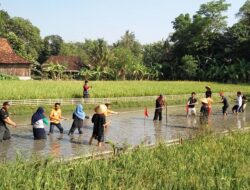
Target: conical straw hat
[101, 109]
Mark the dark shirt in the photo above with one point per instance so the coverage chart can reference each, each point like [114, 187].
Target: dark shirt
[99, 120]
[204, 111]
[159, 104]
[77, 121]
[208, 94]
[225, 102]
[3, 115]
[191, 101]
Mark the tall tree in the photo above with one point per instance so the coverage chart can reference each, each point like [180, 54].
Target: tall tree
[129, 41]
[244, 13]
[52, 45]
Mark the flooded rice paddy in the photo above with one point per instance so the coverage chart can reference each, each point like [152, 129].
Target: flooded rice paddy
[128, 127]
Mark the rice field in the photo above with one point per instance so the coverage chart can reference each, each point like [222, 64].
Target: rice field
[102, 89]
[205, 163]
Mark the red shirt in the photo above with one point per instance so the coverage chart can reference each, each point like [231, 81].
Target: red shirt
[86, 87]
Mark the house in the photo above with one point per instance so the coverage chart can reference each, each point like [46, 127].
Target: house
[73, 64]
[13, 64]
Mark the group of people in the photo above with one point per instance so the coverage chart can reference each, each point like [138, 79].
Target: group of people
[206, 107]
[99, 119]
[39, 122]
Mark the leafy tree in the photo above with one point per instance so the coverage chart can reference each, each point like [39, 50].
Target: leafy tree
[4, 20]
[244, 13]
[54, 69]
[128, 41]
[188, 67]
[29, 34]
[51, 46]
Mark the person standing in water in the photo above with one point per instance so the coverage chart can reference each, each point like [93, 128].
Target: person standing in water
[225, 103]
[38, 121]
[192, 101]
[244, 103]
[86, 89]
[78, 116]
[236, 108]
[159, 104]
[4, 120]
[55, 118]
[208, 93]
[99, 121]
[204, 111]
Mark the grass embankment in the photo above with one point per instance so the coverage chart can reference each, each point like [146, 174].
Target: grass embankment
[101, 89]
[204, 163]
[29, 109]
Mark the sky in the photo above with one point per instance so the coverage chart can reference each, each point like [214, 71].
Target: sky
[76, 20]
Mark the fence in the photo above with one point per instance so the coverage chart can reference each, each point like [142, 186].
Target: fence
[73, 101]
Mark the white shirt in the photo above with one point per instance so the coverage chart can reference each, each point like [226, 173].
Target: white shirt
[239, 101]
[39, 124]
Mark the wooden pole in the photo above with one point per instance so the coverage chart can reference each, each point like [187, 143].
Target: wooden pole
[166, 105]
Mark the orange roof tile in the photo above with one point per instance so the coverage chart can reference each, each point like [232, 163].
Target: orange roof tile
[8, 56]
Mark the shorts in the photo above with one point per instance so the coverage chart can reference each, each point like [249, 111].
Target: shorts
[236, 109]
[191, 111]
[224, 109]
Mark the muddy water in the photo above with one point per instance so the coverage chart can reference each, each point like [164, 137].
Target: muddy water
[128, 127]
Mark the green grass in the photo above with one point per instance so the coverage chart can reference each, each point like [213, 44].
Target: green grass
[73, 89]
[205, 163]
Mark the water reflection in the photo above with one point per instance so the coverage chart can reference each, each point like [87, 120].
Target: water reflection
[130, 128]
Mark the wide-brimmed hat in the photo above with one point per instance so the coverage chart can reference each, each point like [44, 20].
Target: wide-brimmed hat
[208, 87]
[204, 100]
[101, 109]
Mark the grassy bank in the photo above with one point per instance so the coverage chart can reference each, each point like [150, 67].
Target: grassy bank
[29, 109]
[73, 89]
[204, 163]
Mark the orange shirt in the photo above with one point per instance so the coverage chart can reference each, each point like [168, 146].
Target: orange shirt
[55, 116]
[108, 112]
[210, 101]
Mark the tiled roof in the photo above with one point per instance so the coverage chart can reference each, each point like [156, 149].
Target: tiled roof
[71, 62]
[8, 56]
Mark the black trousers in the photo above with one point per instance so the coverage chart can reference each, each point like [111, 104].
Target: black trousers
[236, 109]
[224, 109]
[73, 128]
[4, 133]
[158, 113]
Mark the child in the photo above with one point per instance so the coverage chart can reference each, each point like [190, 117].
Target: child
[225, 103]
[55, 118]
[208, 93]
[99, 121]
[86, 88]
[109, 112]
[78, 116]
[37, 121]
[236, 108]
[204, 111]
[244, 103]
[159, 104]
[192, 101]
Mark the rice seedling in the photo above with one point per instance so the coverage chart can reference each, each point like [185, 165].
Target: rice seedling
[207, 162]
[73, 89]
